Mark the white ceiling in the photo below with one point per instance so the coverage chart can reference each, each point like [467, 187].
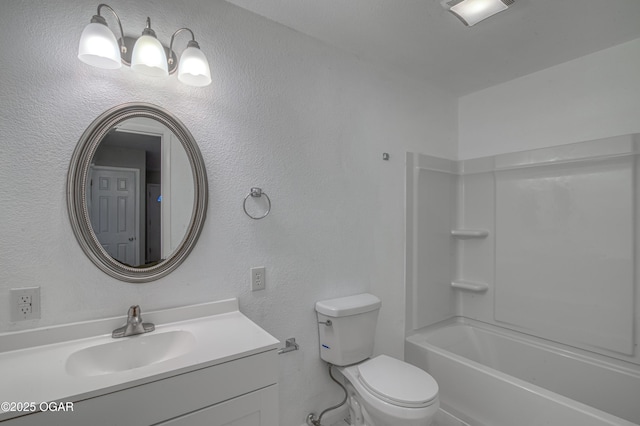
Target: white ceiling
[422, 40]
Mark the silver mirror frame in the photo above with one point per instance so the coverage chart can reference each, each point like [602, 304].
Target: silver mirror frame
[77, 192]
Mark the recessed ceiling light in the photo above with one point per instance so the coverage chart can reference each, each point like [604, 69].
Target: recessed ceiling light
[470, 12]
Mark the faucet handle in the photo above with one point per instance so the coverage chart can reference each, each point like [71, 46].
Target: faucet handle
[134, 311]
[134, 324]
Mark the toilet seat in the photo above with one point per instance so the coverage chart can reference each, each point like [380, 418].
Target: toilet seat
[397, 382]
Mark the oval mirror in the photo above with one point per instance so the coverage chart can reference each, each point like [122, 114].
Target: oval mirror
[137, 192]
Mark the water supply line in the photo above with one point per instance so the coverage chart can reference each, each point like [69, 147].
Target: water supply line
[311, 420]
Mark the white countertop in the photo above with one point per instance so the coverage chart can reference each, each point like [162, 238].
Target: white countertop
[38, 373]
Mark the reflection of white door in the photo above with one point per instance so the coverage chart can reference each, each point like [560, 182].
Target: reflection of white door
[154, 224]
[114, 212]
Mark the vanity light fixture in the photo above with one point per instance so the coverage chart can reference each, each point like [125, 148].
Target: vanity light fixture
[145, 54]
[148, 55]
[470, 12]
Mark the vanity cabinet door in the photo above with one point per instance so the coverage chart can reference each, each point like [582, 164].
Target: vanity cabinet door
[259, 408]
[185, 397]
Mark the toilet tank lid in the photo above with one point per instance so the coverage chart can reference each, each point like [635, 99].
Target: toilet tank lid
[349, 305]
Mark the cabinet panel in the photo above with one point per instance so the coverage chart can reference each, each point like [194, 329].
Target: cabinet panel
[168, 398]
[259, 408]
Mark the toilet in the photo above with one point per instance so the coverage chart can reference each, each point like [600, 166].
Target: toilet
[382, 391]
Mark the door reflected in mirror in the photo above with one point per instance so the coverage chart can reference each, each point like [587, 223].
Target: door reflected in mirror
[135, 215]
[137, 192]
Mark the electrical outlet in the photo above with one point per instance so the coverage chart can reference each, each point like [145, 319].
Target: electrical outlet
[25, 303]
[25, 309]
[258, 281]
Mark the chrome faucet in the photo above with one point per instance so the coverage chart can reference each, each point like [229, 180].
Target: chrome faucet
[134, 324]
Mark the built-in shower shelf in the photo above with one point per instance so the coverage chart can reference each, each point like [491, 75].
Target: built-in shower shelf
[464, 234]
[475, 287]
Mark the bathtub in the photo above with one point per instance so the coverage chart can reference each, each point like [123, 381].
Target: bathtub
[490, 376]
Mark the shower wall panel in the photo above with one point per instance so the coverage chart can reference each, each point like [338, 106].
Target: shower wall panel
[558, 260]
[431, 212]
[565, 252]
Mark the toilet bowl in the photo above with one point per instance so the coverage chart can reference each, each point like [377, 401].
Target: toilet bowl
[382, 391]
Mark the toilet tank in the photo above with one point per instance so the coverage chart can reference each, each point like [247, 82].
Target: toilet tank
[349, 339]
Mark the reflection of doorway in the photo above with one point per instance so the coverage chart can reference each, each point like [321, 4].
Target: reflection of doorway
[154, 223]
[115, 211]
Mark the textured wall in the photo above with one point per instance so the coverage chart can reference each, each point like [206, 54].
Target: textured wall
[592, 97]
[305, 122]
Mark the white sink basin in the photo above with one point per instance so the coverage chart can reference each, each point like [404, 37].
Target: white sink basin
[80, 361]
[131, 352]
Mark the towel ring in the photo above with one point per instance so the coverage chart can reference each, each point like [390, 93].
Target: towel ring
[256, 193]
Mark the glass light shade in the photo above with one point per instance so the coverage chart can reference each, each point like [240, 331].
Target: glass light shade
[193, 68]
[474, 11]
[99, 47]
[148, 57]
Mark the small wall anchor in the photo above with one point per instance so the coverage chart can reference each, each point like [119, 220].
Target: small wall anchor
[290, 345]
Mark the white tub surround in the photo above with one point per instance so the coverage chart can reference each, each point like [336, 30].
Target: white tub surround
[82, 363]
[431, 238]
[497, 377]
[543, 242]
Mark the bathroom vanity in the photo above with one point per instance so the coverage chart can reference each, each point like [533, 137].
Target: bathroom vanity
[203, 365]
